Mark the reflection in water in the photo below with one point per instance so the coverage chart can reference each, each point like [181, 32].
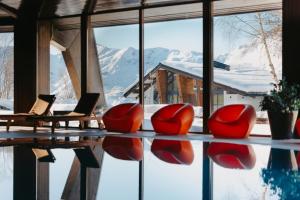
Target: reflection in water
[269, 176]
[173, 151]
[123, 148]
[233, 156]
[44, 155]
[282, 175]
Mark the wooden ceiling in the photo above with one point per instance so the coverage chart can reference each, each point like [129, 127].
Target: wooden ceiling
[66, 13]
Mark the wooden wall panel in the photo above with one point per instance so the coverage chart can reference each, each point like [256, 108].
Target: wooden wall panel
[162, 85]
[185, 89]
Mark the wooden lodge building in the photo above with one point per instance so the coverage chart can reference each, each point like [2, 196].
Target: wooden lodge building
[167, 83]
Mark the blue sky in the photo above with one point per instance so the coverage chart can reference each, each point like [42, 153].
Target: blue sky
[180, 34]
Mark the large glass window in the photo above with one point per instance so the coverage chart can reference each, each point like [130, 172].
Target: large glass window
[118, 55]
[173, 67]
[249, 46]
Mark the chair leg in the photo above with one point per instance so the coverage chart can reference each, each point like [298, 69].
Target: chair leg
[81, 125]
[34, 126]
[67, 124]
[7, 125]
[53, 127]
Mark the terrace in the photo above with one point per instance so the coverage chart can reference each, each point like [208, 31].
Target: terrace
[153, 53]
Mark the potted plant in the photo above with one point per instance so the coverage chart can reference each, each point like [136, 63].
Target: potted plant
[282, 105]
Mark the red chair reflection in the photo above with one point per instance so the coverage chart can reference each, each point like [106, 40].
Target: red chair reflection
[172, 151]
[297, 127]
[232, 121]
[125, 118]
[233, 156]
[173, 119]
[123, 148]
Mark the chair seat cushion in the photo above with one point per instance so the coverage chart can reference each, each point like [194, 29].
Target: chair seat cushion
[123, 148]
[233, 156]
[173, 119]
[171, 151]
[124, 118]
[232, 121]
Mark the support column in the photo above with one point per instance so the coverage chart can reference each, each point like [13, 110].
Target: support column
[43, 87]
[207, 61]
[25, 93]
[84, 28]
[291, 40]
[43, 59]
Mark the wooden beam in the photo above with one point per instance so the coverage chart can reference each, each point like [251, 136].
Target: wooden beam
[64, 38]
[94, 74]
[89, 6]
[7, 21]
[9, 10]
[70, 59]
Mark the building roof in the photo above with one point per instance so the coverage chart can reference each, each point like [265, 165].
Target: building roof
[250, 82]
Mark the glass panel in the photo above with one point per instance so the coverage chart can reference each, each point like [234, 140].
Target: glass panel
[6, 73]
[173, 67]
[118, 54]
[248, 51]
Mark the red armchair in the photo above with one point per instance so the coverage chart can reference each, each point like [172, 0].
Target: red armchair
[232, 121]
[173, 119]
[124, 118]
[297, 127]
[123, 148]
[172, 151]
[233, 156]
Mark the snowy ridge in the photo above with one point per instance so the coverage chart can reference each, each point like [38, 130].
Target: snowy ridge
[249, 68]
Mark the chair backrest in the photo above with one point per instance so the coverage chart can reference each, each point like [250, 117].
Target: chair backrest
[87, 103]
[42, 104]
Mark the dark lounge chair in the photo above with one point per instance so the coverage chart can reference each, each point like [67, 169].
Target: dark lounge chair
[82, 112]
[41, 107]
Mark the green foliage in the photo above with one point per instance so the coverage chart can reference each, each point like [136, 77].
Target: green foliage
[283, 98]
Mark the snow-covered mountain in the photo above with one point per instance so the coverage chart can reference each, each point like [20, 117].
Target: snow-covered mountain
[120, 66]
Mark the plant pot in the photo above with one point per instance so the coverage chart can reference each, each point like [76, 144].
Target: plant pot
[282, 124]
